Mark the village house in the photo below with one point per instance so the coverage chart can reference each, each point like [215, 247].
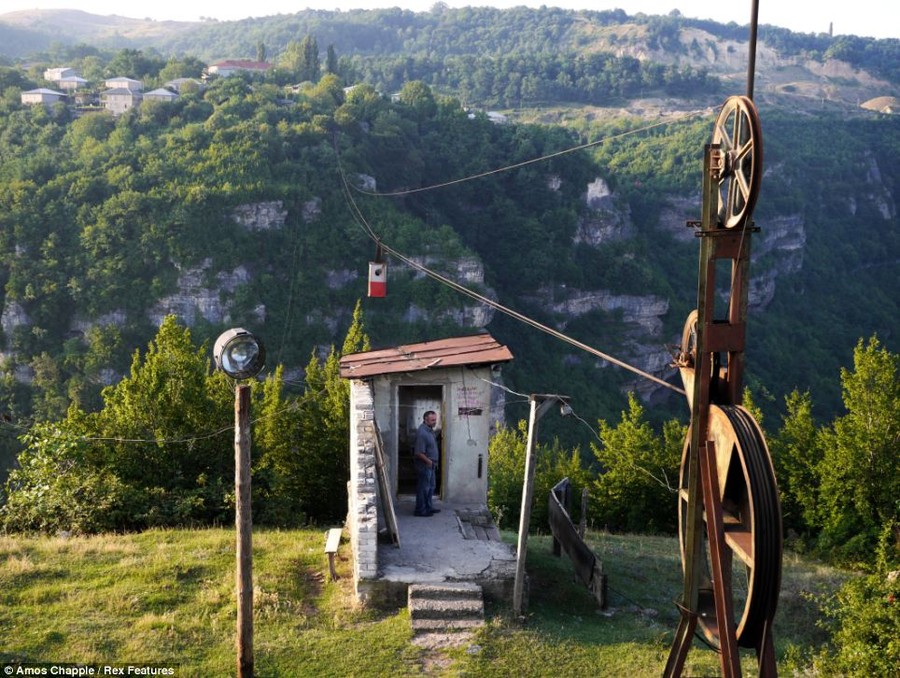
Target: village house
[71, 83]
[57, 74]
[230, 67]
[125, 83]
[42, 95]
[120, 100]
[161, 94]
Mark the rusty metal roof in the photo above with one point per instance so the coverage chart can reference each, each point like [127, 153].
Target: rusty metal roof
[478, 349]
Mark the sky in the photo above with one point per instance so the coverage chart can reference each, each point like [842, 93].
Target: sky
[868, 18]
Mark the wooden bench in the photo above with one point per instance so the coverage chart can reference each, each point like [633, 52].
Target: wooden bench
[332, 541]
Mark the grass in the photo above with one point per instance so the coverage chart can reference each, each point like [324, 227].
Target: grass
[169, 597]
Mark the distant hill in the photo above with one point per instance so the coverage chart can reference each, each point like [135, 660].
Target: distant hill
[796, 69]
[72, 26]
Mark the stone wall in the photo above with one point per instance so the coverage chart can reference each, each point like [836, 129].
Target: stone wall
[362, 518]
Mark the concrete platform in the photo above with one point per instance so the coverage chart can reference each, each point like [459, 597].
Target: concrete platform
[459, 544]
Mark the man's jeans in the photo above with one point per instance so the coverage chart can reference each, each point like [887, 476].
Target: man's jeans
[424, 487]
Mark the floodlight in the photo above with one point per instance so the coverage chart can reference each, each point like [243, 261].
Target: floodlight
[239, 354]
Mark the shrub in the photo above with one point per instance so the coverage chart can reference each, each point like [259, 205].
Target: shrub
[864, 618]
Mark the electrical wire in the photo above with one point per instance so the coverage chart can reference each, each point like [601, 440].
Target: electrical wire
[525, 163]
[288, 320]
[296, 405]
[452, 284]
[360, 219]
[664, 483]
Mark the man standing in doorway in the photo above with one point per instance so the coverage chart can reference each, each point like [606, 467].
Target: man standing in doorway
[426, 458]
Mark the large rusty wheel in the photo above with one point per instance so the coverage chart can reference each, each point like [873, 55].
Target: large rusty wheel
[752, 520]
[738, 132]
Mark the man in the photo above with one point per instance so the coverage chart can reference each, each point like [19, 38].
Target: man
[426, 458]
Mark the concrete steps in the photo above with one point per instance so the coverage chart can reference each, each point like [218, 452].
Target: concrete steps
[445, 615]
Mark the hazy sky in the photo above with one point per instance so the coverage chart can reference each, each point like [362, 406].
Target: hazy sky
[873, 18]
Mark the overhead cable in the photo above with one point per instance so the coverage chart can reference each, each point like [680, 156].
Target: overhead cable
[359, 217]
[525, 163]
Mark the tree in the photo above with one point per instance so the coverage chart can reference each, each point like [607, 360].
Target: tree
[797, 453]
[168, 396]
[133, 63]
[863, 617]
[185, 67]
[147, 458]
[309, 48]
[506, 470]
[302, 59]
[59, 485]
[331, 61]
[417, 95]
[305, 462]
[277, 468]
[634, 490]
[859, 473]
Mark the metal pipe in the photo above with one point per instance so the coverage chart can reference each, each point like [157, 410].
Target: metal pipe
[751, 66]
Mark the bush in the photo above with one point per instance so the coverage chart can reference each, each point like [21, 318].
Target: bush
[57, 489]
[635, 491]
[506, 463]
[864, 618]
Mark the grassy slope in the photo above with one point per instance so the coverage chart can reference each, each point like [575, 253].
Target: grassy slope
[168, 596]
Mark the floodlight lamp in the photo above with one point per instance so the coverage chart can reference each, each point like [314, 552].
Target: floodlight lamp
[239, 354]
[565, 409]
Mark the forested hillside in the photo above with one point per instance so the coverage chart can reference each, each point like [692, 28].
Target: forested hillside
[229, 206]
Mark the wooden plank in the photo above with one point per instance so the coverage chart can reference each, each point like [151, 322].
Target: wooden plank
[587, 566]
[741, 542]
[480, 534]
[387, 497]
[728, 655]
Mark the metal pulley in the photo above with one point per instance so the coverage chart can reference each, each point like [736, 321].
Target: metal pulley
[752, 528]
[737, 134]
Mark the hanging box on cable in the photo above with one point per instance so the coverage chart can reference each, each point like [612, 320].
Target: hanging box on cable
[377, 279]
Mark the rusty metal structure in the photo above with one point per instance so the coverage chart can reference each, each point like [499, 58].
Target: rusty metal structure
[729, 511]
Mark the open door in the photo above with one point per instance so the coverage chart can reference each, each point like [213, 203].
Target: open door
[414, 401]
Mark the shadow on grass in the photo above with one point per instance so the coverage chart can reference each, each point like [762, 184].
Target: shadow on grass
[644, 580]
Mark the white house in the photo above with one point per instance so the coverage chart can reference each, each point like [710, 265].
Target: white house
[57, 74]
[161, 94]
[42, 96]
[230, 67]
[126, 83]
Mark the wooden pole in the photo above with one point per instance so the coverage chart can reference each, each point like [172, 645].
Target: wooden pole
[243, 522]
[715, 528]
[539, 406]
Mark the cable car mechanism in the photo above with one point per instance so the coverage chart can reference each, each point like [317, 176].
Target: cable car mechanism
[729, 514]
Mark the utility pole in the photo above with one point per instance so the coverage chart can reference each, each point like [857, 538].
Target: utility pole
[243, 521]
[241, 355]
[539, 404]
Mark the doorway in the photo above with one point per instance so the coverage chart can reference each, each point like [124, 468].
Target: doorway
[413, 402]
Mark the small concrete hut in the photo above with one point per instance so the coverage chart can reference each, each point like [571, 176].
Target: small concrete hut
[390, 391]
